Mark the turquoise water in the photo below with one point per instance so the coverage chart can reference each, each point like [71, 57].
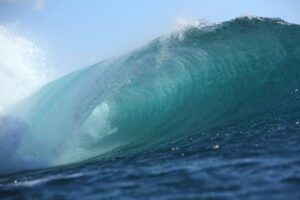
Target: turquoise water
[205, 112]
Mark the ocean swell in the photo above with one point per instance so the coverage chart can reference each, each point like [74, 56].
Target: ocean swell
[179, 85]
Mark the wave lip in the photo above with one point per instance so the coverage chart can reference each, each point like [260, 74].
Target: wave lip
[173, 87]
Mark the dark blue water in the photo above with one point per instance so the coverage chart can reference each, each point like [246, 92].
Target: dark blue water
[205, 113]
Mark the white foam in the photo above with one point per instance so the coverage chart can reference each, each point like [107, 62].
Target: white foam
[183, 24]
[95, 127]
[22, 67]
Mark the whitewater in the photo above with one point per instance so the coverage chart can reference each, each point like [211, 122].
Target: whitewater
[210, 110]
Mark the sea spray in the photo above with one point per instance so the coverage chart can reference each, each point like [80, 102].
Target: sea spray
[175, 87]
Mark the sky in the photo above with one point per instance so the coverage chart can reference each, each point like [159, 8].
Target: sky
[78, 33]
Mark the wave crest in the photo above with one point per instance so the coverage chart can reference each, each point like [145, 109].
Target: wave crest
[169, 89]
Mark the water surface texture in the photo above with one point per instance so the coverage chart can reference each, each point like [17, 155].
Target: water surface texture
[208, 112]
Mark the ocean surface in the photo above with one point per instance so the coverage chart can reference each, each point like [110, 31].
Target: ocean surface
[211, 111]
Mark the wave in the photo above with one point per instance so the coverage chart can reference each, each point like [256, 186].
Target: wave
[182, 84]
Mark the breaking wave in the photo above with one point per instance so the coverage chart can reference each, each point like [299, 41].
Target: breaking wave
[182, 84]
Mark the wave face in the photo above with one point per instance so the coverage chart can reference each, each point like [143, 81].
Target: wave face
[175, 87]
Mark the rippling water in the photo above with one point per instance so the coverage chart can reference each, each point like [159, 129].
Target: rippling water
[207, 112]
